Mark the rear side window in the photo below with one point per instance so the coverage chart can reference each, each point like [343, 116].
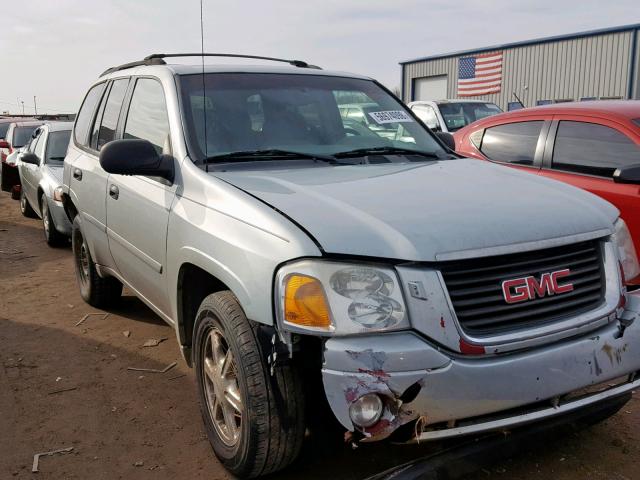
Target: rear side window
[512, 142]
[592, 149]
[107, 130]
[85, 115]
[147, 118]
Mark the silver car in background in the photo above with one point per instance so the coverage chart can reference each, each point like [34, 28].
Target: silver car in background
[40, 168]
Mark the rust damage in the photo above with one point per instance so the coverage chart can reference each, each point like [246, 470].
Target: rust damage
[614, 354]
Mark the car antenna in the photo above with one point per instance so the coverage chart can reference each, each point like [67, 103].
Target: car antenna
[519, 101]
[204, 93]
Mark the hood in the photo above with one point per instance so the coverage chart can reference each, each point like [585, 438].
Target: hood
[55, 172]
[427, 211]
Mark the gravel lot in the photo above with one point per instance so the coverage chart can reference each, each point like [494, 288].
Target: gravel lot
[63, 385]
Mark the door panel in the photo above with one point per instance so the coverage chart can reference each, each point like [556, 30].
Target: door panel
[30, 172]
[139, 247]
[89, 183]
[87, 179]
[625, 197]
[138, 207]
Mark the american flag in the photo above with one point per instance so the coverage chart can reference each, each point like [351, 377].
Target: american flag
[480, 74]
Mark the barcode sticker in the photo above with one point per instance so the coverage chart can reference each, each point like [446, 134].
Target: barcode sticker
[391, 116]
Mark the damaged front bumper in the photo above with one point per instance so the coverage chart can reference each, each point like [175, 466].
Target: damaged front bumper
[447, 395]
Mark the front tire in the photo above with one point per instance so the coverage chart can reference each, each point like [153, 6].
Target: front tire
[255, 422]
[96, 291]
[52, 236]
[25, 206]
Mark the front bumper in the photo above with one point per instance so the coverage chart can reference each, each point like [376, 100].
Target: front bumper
[60, 220]
[422, 382]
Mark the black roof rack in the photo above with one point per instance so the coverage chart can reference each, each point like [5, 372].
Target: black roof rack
[158, 59]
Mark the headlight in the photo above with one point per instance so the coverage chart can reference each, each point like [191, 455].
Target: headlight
[331, 298]
[626, 250]
[57, 194]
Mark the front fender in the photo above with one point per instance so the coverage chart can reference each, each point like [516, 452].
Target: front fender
[237, 250]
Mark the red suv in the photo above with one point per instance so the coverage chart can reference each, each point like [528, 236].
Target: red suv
[594, 145]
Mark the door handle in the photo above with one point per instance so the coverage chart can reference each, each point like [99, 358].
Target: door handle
[114, 192]
[77, 174]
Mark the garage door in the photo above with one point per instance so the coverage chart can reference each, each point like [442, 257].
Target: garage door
[430, 88]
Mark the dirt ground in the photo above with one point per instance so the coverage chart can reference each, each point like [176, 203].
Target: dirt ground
[66, 385]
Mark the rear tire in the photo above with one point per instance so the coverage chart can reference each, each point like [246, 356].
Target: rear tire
[52, 236]
[25, 206]
[96, 291]
[264, 434]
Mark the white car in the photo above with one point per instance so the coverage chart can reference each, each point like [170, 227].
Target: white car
[452, 115]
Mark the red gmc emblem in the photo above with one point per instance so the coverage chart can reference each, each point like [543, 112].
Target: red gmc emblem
[528, 288]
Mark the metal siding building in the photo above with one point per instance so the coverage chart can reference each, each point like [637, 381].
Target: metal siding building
[601, 63]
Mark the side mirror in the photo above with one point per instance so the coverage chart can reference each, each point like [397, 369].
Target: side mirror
[630, 174]
[4, 144]
[30, 158]
[136, 157]
[447, 139]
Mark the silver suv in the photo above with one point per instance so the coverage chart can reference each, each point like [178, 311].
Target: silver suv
[426, 295]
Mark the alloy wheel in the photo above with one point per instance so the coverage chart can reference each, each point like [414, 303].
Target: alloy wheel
[222, 390]
[45, 218]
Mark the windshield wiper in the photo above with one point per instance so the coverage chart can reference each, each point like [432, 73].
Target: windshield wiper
[56, 158]
[270, 154]
[361, 152]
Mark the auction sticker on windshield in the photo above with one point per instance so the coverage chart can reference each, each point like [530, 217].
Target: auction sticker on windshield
[392, 116]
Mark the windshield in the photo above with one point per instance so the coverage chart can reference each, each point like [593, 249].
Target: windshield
[21, 135]
[458, 115]
[310, 114]
[57, 146]
[3, 129]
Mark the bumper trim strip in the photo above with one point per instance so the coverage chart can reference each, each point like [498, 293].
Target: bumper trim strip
[523, 419]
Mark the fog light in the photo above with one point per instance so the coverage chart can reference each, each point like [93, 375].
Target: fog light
[366, 411]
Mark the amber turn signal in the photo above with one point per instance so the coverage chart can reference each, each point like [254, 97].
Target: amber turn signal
[305, 303]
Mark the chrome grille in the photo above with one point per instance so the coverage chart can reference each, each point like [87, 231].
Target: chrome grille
[475, 287]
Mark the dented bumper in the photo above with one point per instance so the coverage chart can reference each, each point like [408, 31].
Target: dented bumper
[419, 381]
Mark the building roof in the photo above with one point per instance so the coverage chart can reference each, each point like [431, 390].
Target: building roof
[624, 110]
[556, 38]
[9, 119]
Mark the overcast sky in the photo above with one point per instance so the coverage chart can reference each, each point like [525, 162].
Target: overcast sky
[54, 49]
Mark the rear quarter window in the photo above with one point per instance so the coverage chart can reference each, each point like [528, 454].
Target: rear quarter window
[512, 142]
[85, 116]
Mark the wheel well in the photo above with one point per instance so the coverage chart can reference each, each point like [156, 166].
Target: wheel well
[194, 284]
[39, 193]
[69, 208]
